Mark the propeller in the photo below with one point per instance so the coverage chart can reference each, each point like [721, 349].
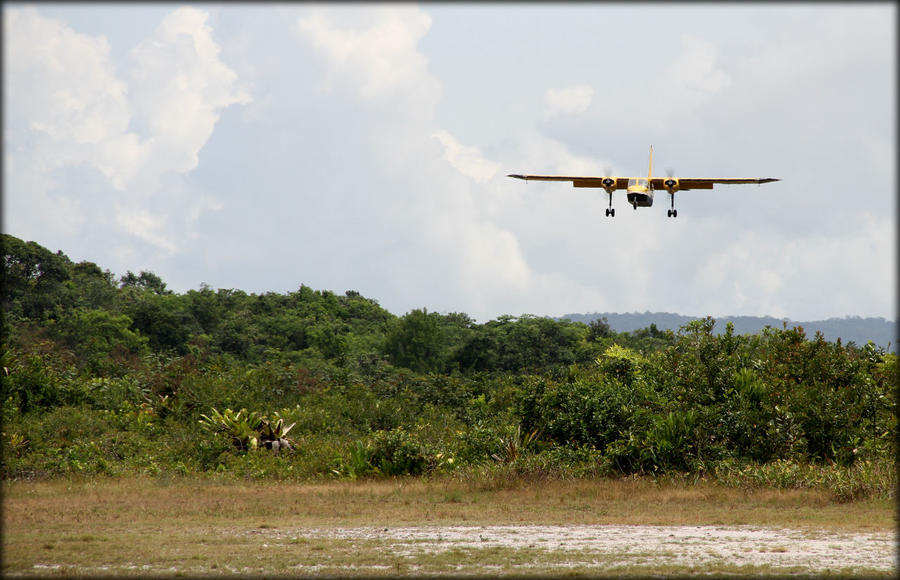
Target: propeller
[669, 182]
[608, 180]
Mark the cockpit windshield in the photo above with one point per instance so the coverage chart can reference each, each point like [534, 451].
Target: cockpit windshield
[637, 181]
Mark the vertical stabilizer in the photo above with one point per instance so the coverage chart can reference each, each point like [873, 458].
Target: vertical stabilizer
[650, 170]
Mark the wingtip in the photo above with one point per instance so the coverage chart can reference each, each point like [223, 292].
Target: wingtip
[516, 175]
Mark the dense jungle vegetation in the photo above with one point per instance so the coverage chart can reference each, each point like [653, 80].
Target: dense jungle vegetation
[107, 375]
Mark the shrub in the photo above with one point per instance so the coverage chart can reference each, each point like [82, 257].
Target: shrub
[387, 453]
[478, 444]
[397, 452]
[585, 412]
[249, 430]
[657, 443]
[242, 428]
[33, 384]
[70, 440]
[862, 480]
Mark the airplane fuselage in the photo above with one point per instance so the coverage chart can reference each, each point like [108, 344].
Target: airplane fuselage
[639, 192]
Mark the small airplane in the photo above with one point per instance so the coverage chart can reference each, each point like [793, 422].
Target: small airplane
[640, 189]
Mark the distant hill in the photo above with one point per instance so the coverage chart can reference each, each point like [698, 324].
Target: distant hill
[859, 330]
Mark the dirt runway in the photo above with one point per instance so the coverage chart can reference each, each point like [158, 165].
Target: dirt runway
[650, 546]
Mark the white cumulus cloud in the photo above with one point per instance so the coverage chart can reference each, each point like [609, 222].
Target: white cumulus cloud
[378, 59]
[694, 74]
[431, 191]
[467, 160]
[569, 100]
[63, 97]
[180, 86]
[793, 273]
[71, 112]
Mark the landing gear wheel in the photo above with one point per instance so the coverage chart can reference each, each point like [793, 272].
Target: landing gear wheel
[669, 213]
[674, 213]
[612, 212]
[607, 212]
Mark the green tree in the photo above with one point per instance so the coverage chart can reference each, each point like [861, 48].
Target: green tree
[206, 308]
[145, 281]
[96, 336]
[95, 288]
[523, 343]
[34, 280]
[599, 328]
[414, 342]
[163, 319]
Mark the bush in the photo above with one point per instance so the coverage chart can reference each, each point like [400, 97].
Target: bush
[862, 480]
[69, 440]
[591, 412]
[658, 444]
[386, 453]
[33, 383]
[397, 452]
[478, 444]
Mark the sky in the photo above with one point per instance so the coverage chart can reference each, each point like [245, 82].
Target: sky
[366, 147]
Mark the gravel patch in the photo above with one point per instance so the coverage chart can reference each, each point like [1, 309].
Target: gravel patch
[814, 552]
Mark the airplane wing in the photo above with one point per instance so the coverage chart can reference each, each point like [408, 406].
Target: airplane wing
[708, 182]
[656, 182]
[577, 181]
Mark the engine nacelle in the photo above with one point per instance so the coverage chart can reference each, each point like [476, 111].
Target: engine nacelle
[671, 184]
[609, 184]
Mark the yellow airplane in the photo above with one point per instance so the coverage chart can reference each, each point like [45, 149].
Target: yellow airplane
[640, 189]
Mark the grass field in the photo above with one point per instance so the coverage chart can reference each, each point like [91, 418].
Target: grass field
[199, 526]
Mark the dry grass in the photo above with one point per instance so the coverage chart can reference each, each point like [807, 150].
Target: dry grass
[198, 526]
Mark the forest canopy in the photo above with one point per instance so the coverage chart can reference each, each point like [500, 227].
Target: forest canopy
[114, 374]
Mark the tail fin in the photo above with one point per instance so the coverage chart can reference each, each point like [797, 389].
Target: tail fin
[650, 170]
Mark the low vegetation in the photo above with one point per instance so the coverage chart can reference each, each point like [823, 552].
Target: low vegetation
[107, 376]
